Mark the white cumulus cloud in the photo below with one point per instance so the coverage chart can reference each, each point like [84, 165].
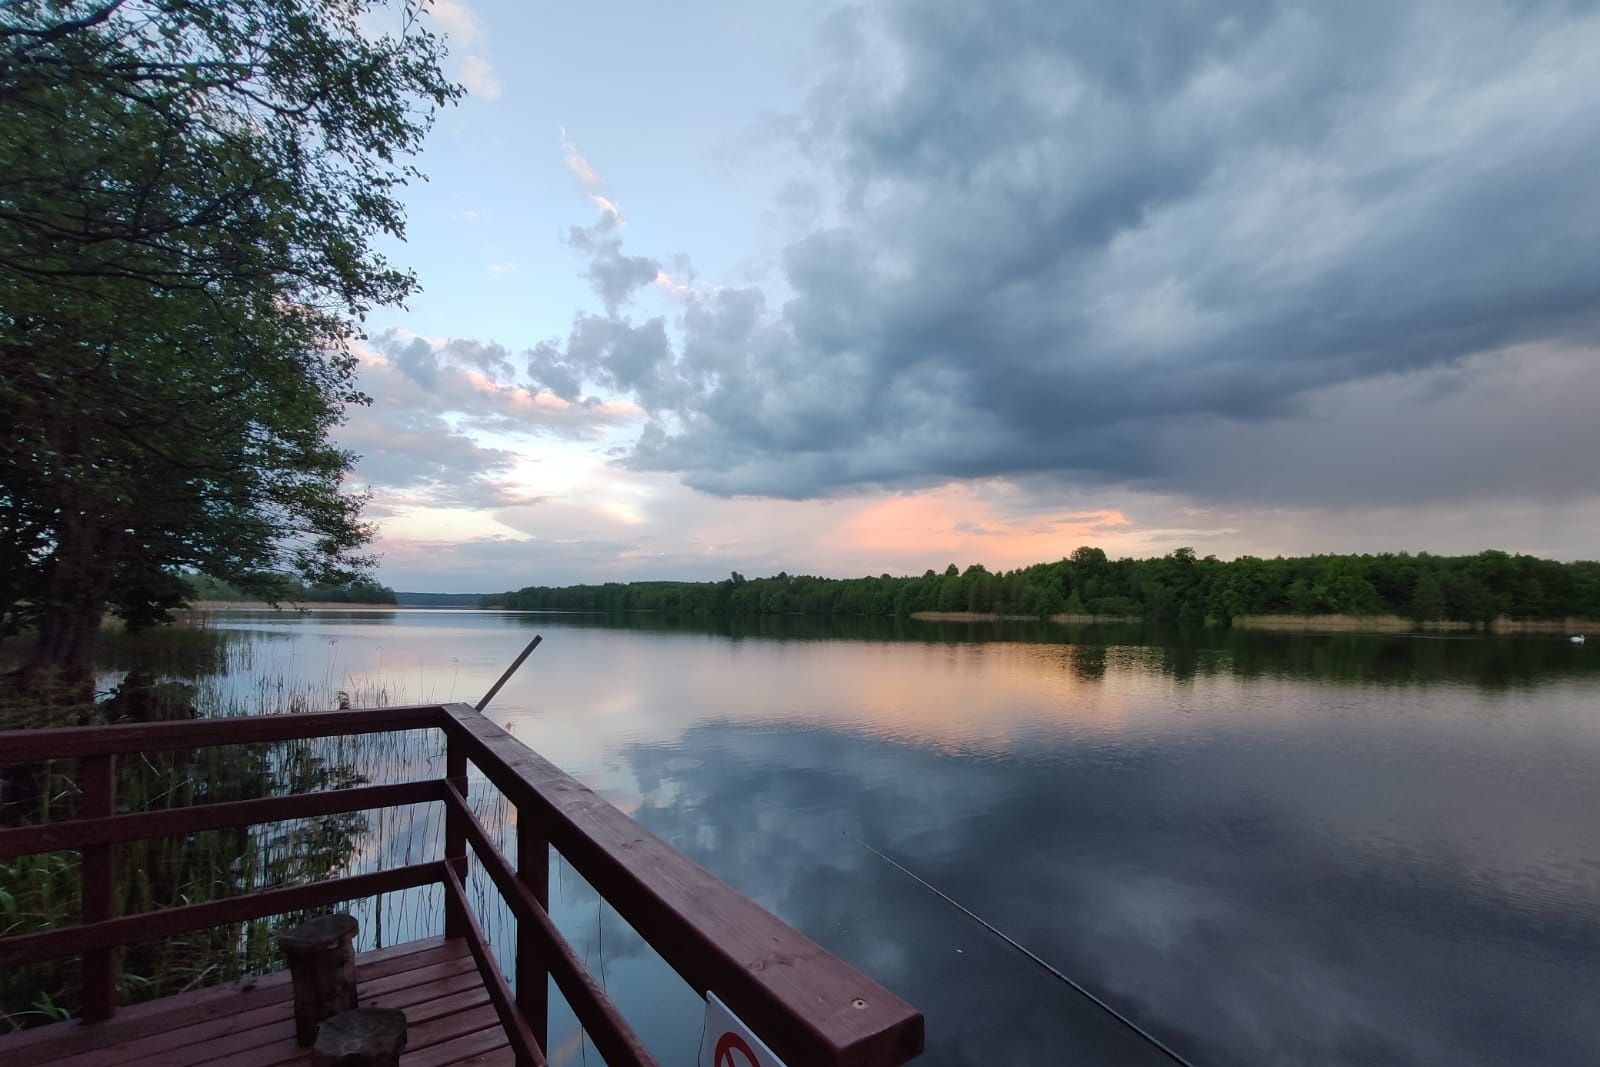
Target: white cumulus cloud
[478, 77]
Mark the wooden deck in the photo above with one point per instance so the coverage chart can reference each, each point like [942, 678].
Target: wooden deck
[810, 1007]
[251, 1024]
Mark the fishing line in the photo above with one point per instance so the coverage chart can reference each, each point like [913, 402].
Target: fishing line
[1154, 1041]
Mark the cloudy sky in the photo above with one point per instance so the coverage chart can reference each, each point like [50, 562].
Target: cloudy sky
[850, 289]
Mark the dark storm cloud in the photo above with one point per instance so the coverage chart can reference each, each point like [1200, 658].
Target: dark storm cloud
[614, 276]
[421, 360]
[477, 382]
[1525, 420]
[1097, 241]
[413, 450]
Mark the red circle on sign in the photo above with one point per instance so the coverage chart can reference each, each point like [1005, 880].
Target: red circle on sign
[727, 1045]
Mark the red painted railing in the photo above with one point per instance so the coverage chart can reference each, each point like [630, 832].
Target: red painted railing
[809, 1006]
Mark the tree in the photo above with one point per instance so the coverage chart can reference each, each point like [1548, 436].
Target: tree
[1089, 558]
[1342, 587]
[191, 196]
[1179, 587]
[1302, 598]
[1427, 602]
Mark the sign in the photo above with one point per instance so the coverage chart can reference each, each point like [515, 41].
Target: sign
[729, 1042]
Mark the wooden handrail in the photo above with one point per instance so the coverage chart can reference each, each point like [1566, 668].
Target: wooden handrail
[151, 925]
[599, 1017]
[97, 779]
[455, 836]
[810, 1006]
[98, 829]
[521, 1035]
[68, 742]
[167, 822]
[533, 978]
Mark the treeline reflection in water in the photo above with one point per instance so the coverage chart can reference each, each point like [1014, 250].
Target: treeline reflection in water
[1180, 652]
[1268, 848]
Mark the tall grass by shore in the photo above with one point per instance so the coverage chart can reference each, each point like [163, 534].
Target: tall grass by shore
[203, 672]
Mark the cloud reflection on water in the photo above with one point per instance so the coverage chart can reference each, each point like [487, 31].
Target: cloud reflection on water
[1232, 924]
[1271, 849]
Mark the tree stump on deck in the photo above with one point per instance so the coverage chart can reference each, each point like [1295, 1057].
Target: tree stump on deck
[322, 962]
[366, 1037]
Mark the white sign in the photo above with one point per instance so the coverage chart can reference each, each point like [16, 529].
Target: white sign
[729, 1042]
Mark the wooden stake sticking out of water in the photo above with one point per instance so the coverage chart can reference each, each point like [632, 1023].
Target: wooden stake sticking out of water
[506, 677]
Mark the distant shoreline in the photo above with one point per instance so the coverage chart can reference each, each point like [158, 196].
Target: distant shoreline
[1378, 624]
[287, 605]
[1401, 624]
[990, 616]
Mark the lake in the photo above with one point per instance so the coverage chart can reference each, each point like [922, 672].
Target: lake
[1266, 848]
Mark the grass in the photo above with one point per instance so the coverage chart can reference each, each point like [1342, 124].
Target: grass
[208, 673]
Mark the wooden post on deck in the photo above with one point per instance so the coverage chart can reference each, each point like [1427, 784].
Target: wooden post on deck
[533, 870]
[455, 835]
[97, 778]
[322, 964]
[366, 1037]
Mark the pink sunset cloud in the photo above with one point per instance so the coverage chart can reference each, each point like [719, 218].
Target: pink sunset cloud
[969, 524]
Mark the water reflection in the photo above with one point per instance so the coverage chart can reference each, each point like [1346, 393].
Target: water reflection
[1486, 661]
[1243, 927]
[1269, 848]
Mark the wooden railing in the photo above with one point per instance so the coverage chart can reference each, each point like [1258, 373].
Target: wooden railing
[807, 1005]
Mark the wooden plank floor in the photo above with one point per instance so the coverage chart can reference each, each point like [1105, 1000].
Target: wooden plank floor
[251, 1023]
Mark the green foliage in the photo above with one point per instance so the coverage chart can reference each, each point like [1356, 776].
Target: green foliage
[1427, 599]
[287, 590]
[1178, 588]
[41, 892]
[206, 673]
[192, 196]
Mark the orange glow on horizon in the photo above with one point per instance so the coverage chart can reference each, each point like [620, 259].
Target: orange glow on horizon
[964, 524]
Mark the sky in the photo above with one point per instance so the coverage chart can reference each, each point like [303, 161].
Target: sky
[847, 289]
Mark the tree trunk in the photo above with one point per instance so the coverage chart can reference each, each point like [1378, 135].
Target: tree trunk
[71, 609]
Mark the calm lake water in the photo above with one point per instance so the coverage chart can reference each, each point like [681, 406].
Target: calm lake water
[1269, 849]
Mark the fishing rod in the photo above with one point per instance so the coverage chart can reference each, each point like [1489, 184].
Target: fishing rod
[1055, 972]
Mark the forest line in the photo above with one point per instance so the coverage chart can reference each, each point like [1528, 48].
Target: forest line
[1178, 587]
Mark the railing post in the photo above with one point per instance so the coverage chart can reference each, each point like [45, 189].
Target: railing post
[97, 780]
[455, 834]
[533, 870]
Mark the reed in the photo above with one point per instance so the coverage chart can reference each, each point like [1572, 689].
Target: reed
[207, 672]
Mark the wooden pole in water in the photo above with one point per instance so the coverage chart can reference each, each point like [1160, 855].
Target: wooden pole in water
[506, 677]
